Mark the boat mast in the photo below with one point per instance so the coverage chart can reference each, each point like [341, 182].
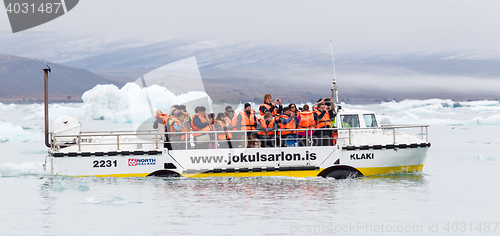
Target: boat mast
[46, 103]
[334, 81]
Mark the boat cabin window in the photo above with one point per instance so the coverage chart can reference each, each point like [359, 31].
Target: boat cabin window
[349, 121]
[370, 120]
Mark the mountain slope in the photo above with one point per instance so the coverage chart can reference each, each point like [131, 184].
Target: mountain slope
[22, 79]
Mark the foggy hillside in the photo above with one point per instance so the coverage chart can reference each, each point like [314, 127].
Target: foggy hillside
[22, 79]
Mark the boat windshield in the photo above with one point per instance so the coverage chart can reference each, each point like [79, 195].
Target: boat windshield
[350, 121]
[370, 120]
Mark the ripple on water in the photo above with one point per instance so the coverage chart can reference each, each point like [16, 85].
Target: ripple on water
[110, 201]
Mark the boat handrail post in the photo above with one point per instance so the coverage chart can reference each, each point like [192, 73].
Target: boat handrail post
[245, 143]
[156, 141]
[307, 138]
[421, 132]
[79, 143]
[394, 135]
[426, 133]
[217, 139]
[276, 139]
[117, 142]
[51, 141]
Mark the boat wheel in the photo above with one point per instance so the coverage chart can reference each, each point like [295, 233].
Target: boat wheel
[342, 174]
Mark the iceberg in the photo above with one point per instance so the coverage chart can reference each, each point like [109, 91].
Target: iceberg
[4, 107]
[55, 111]
[136, 102]
[18, 169]
[129, 104]
[9, 132]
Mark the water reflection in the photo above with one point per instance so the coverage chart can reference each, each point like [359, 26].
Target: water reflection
[417, 178]
[224, 203]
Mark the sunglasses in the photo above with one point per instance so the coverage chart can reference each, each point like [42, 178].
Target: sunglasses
[229, 110]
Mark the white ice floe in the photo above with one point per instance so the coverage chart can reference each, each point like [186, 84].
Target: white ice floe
[109, 200]
[438, 104]
[5, 107]
[441, 112]
[18, 169]
[11, 133]
[130, 103]
[55, 111]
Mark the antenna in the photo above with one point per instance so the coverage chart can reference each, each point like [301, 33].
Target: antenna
[334, 81]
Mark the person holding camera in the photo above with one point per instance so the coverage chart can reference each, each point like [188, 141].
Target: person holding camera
[267, 106]
[322, 117]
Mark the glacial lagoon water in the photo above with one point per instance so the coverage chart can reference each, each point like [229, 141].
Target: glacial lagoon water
[457, 192]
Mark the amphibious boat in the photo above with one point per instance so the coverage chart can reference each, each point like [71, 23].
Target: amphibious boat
[361, 146]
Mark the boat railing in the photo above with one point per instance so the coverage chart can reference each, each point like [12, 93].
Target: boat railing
[210, 139]
[394, 127]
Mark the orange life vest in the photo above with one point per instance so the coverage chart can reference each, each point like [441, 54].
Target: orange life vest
[223, 135]
[289, 125]
[233, 122]
[164, 118]
[184, 129]
[325, 121]
[267, 106]
[247, 123]
[306, 120]
[264, 124]
[203, 119]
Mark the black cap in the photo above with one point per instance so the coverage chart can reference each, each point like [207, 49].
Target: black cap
[247, 105]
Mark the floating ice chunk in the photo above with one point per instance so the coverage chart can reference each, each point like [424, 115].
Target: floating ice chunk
[419, 106]
[492, 120]
[410, 116]
[9, 132]
[59, 186]
[4, 107]
[410, 104]
[55, 111]
[101, 102]
[481, 103]
[18, 169]
[129, 104]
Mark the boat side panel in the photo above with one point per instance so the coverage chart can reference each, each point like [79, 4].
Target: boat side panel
[109, 166]
[250, 157]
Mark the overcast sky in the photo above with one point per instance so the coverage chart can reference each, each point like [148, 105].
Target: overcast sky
[355, 26]
[375, 28]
